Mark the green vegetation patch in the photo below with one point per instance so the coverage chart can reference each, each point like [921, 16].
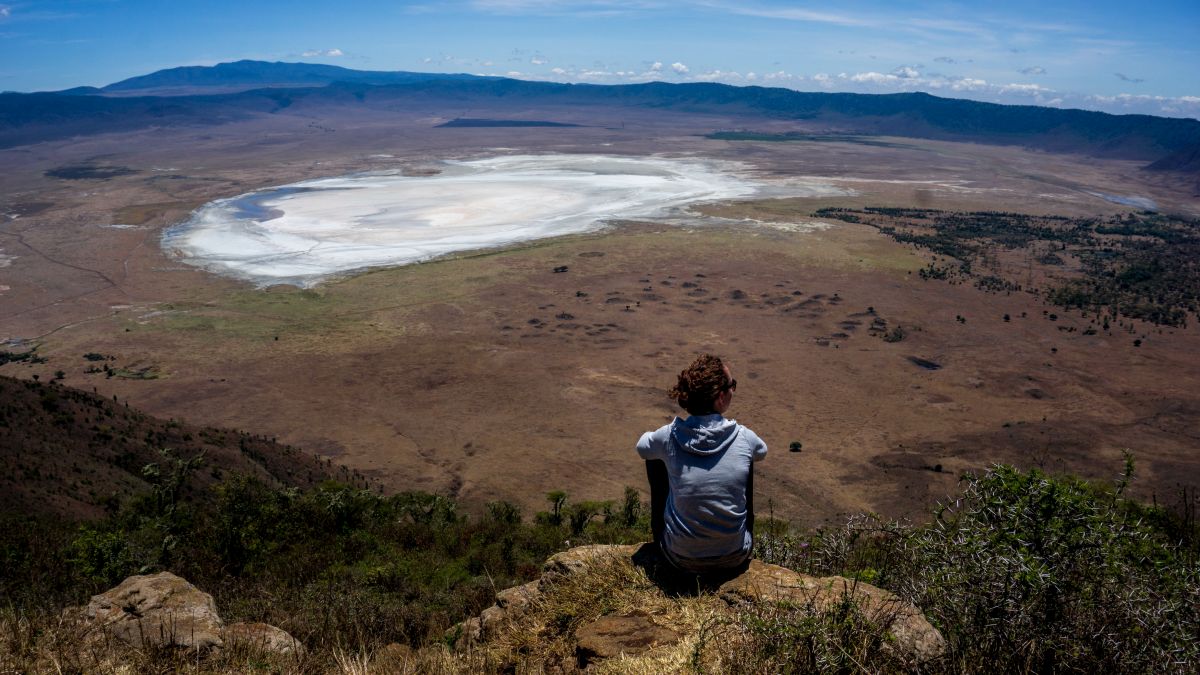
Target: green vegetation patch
[30, 356]
[1030, 572]
[140, 214]
[1143, 266]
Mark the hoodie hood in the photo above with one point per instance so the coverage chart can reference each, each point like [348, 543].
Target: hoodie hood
[704, 434]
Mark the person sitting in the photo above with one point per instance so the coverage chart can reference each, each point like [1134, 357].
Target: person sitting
[701, 473]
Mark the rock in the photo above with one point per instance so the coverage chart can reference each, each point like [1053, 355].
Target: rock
[611, 636]
[262, 636]
[510, 604]
[916, 640]
[157, 609]
[576, 560]
[465, 633]
[516, 599]
[490, 619]
[767, 582]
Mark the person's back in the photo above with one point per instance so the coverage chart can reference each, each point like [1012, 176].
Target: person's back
[706, 465]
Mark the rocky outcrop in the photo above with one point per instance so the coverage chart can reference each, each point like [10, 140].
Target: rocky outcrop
[909, 636]
[581, 558]
[164, 610]
[914, 638]
[156, 609]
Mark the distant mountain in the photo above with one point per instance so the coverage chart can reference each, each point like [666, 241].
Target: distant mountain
[242, 75]
[70, 453]
[320, 90]
[1186, 159]
[80, 91]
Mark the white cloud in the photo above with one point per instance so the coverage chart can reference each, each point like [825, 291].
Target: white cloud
[558, 71]
[656, 66]
[328, 52]
[1181, 106]
[906, 72]
[1016, 88]
[1032, 70]
[726, 76]
[963, 84]
[5, 11]
[679, 68]
[539, 60]
[872, 77]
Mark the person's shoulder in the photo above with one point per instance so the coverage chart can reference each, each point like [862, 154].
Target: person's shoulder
[663, 432]
[757, 445]
[654, 441]
[747, 433]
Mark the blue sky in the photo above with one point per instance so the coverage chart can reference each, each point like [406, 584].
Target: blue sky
[1102, 55]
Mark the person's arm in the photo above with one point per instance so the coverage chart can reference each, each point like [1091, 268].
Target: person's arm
[750, 501]
[757, 454]
[656, 474]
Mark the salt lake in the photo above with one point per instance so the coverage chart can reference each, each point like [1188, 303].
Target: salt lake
[306, 232]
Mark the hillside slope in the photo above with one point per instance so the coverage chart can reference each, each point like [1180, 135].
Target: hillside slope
[70, 453]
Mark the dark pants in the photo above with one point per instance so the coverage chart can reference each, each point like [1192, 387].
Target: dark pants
[675, 581]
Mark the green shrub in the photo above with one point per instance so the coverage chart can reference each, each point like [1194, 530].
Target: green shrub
[1026, 571]
[1047, 573]
[102, 557]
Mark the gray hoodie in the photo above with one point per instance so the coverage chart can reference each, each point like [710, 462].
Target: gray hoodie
[708, 462]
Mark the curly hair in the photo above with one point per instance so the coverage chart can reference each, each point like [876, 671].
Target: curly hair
[700, 385]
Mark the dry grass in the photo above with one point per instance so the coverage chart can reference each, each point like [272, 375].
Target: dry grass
[60, 645]
[544, 635]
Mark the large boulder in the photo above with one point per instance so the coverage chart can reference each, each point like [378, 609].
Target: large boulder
[164, 610]
[511, 603]
[915, 639]
[582, 558]
[156, 609]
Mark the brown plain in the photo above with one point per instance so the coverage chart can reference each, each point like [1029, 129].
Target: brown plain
[489, 376]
